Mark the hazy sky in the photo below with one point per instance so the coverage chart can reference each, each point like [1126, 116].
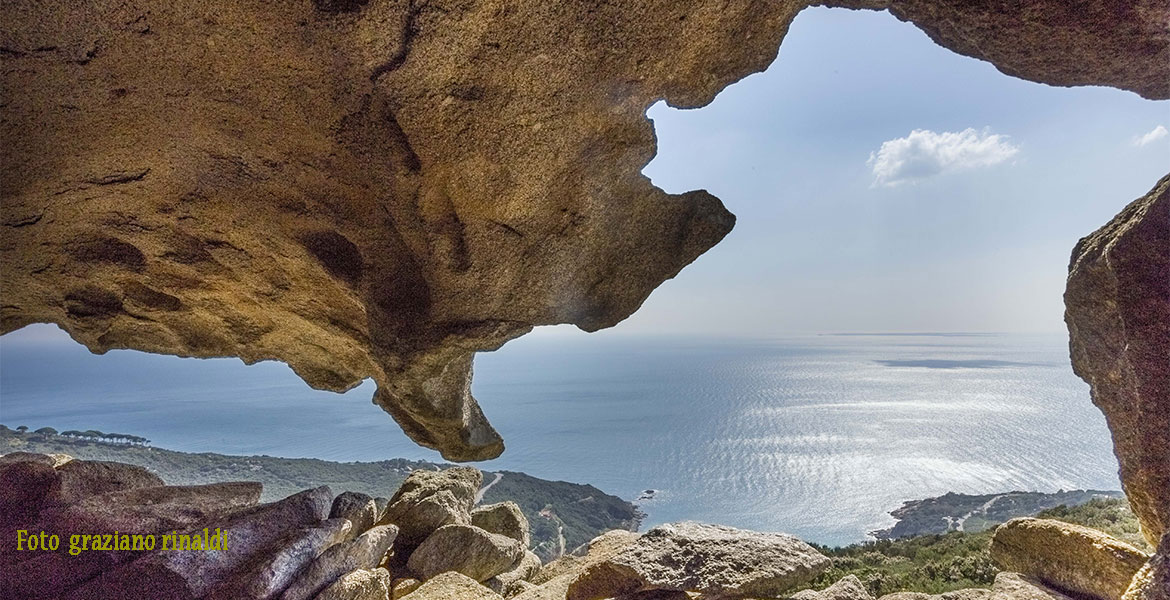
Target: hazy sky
[883, 183]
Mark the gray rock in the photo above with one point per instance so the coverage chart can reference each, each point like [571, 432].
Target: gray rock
[53, 460]
[359, 508]
[146, 510]
[465, 549]
[364, 552]
[599, 549]
[1067, 557]
[272, 571]
[718, 561]
[25, 487]
[81, 479]
[429, 500]
[504, 518]
[251, 533]
[847, 588]
[524, 569]
[452, 586]
[363, 584]
[1013, 586]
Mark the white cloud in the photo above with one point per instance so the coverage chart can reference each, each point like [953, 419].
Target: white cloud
[1154, 135]
[924, 154]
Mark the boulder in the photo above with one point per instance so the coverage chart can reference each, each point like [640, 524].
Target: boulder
[359, 508]
[249, 534]
[524, 569]
[1117, 306]
[1152, 582]
[161, 509]
[452, 586]
[429, 500]
[718, 561]
[81, 479]
[273, 570]
[1067, 557]
[846, 588]
[1014, 586]
[364, 552]
[504, 518]
[363, 584]
[404, 586]
[465, 549]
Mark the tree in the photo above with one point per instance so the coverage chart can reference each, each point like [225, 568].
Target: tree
[22, 428]
[46, 431]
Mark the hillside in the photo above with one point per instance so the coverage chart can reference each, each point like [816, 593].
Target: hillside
[554, 508]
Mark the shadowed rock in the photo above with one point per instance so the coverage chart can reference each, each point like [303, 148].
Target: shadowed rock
[449, 586]
[1118, 313]
[81, 479]
[272, 571]
[359, 508]
[1152, 582]
[847, 588]
[364, 552]
[372, 584]
[428, 500]
[146, 510]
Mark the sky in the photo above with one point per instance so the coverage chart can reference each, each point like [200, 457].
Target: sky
[887, 184]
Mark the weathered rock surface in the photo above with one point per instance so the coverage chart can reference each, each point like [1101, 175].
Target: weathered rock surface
[452, 586]
[465, 549]
[1068, 557]
[381, 189]
[1118, 314]
[428, 500]
[247, 535]
[847, 588]
[1007, 586]
[711, 559]
[1152, 582]
[160, 509]
[403, 587]
[524, 569]
[600, 548]
[24, 491]
[504, 518]
[359, 508]
[273, 570]
[372, 584]
[364, 552]
[81, 479]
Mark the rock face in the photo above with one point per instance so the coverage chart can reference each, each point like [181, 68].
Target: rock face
[847, 588]
[364, 552]
[504, 518]
[703, 558]
[1118, 314]
[465, 549]
[428, 500]
[380, 189]
[359, 508]
[1068, 557]
[373, 584]
[1152, 582]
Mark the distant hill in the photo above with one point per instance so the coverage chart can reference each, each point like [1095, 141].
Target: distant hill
[975, 513]
[562, 515]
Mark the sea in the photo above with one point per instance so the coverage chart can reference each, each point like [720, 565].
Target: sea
[818, 435]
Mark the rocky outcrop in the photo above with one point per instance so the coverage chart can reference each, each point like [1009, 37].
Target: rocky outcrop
[1007, 586]
[159, 509]
[360, 509]
[1118, 313]
[510, 582]
[1068, 557]
[429, 500]
[375, 189]
[711, 559]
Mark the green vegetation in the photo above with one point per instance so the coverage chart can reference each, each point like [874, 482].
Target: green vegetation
[554, 508]
[937, 563]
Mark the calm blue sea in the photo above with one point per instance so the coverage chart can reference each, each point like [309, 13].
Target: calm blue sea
[819, 436]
